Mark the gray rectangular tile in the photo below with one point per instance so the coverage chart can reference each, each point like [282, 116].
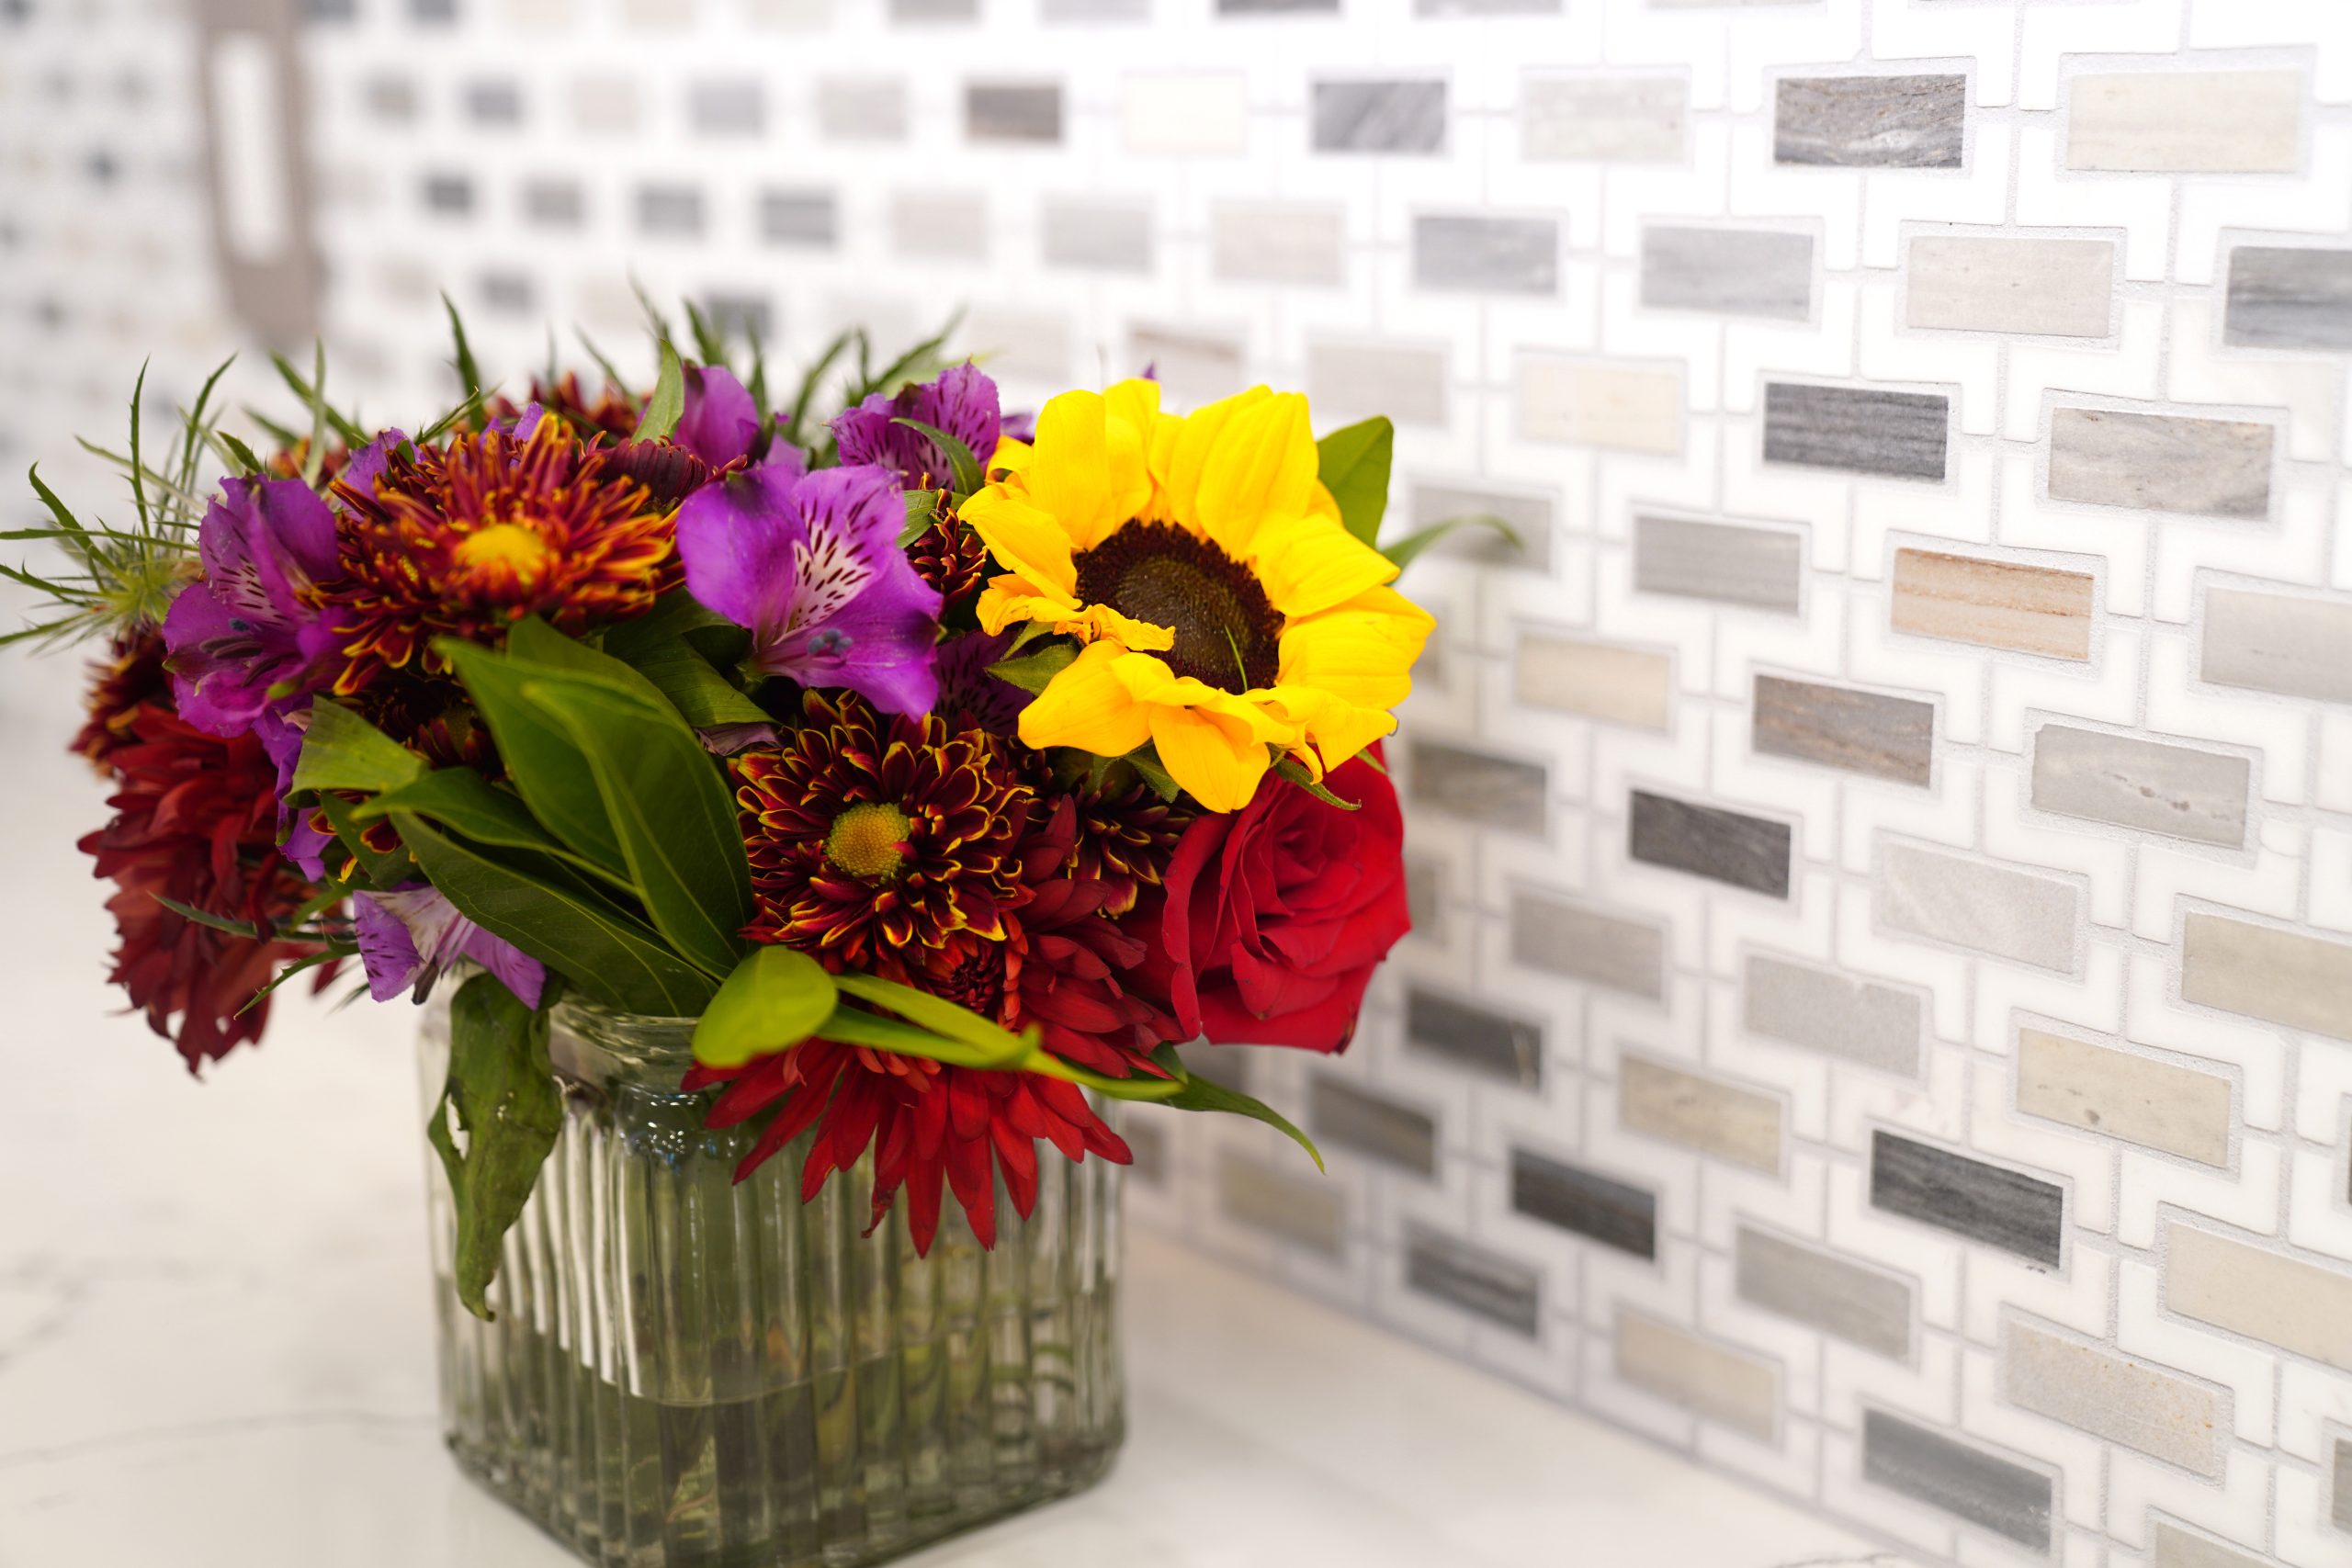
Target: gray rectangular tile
[1756, 569]
[905, 13]
[1014, 112]
[1377, 117]
[1259, 241]
[2185, 122]
[1097, 235]
[728, 106]
[2215, 467]
[1495, 255]
[1500, 1046]
[1502, 1290]
[1834, 1294]
[1560, 938]
[1425, 893]
[1031, 345]
[2176, 1548]
[1962, 1479]
[2285, 297]
[1487, 7]
[1478, 786]
[2009, 913]
[2279, 977]
[2113, 1397]
[2124, 1095]
[448, 193]
[1728, 272]
[1713, 1381]
[1739, 1126]
[1274, 7]
[1406, 383]
[496, 102]
[554, 202]
[1095, 11]
[1306, 1209]
[1858, 430]
[1613, 120]
[2256, 1291]
[671, 211]
[1529, 517]
[2341, 1491]
[2003, 1208]
[1861, 732]
[1993, 603]
[1595, 679]
[1846, 1016]
[1729, 847]
[1600, 1208]
[1883, 122]
[2174, 790]
[799, 218]
[861, 108]
[2278, 642]
[1372, 1125]
[2035, 288]
[946, 225]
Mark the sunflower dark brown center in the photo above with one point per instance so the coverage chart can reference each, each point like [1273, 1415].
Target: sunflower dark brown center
[1227, 635]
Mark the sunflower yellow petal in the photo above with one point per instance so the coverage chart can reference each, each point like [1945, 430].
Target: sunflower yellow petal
[1023, 537]
[1309, 564]
[1134, 410]
[1010, 457]
[1182, 458]
[1263, 467]
[1334, 728]
[1362, 653]
[1009, 600]
[1142, 636]
[1089, 706]
[1215, 766]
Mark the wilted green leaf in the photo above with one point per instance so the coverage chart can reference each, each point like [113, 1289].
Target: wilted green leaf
[500, 1090]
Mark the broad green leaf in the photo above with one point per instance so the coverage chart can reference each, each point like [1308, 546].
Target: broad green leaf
[670, 809]
[546, 764]
[942, 1017]
[1401, 552]
[1142, 1087]
[559, 918]
[774, 1000]
[465, 803]
[1201, 1094]
[532, 641]
[1294, 770]
[922, 509]
[342, 750]
[959, 456]
[502, 1093]
[684, 650]
[1033, 671]
[669, 401]
[854, 1026]
[1354, 468]
[1145, 759]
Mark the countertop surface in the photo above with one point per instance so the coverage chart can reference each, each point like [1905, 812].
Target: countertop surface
[216, 1345]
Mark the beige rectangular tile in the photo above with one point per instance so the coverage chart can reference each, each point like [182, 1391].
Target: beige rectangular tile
[2124, 1401]
[1621, 408]
[2256, 1291]
[1992, 908]
[1309, 1213]
[1617, 119]
[2044, 287]
[2276, 642]
[1596, 680]
[1702, 1114]
[1994, 604]
[2176, 1548]
[1404, 381]
[1718, 1383]
[2186, 121]
[1831, 1292]
[2124, 1095]
[2278, 976]
[1264, 241]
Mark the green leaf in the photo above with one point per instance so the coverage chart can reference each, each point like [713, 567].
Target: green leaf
[552, 913]
[466, 803]
[468, 372]
[239, 453]
[1145, 759]
[1294, 770]
[671, 810]
[532, 641]
[1201, 1094]
[1401, 552]
[205, 918]
[657, 647]
[342, 750]
[500, 1090]
[922, 509]
[854, 1026]
[942, 1017]
[812, 382]
[1031, 672]
[1354, 468]
[669, 401]
[959, 456]
[546, 764]
[774, 1000]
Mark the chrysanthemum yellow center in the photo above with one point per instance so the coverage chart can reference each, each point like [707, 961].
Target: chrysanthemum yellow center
[1227, 634]
[868, 840]
[506, 549]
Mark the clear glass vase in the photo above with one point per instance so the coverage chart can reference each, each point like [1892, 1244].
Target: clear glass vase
[684, 1371]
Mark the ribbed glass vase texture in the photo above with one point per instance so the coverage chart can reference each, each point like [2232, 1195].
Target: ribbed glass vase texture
[687, 1371]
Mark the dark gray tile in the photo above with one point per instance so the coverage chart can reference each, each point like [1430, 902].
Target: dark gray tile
[1729, 847]
[1858, 430]
[1503, 1290]
[1961, 1479]
[1497, 1045]
[2216, 467]
[1564, 938]
[1529, 517]
[1757, 569]
[673, 211]
[2278, 642]
[452, 193]
[1497, 255]
[509, 293]
[2289, 297]
[1378, 116]
[2177, 790]
[1372, 1125]
[553, 202]
[799, 218]
[1835, 1295]
[728, 106]
[1306, 1209]
[1494, 791]
[1613, 1213]
[1846, 1016]
[1991, 1204]
[1019, 112]
[1728, 272]
[1099, 236]
[1861, 732]
[1882, 122]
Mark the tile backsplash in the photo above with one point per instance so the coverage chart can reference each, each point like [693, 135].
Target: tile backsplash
[1880, 1018]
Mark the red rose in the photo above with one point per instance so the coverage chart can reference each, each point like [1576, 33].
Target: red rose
[1275, 916]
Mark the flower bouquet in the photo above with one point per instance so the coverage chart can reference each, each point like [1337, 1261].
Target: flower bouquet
[898, 790]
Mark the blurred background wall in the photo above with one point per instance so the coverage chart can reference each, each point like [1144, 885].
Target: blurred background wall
[1882, 1014]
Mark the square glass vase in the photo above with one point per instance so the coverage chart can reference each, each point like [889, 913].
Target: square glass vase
[687, 1371]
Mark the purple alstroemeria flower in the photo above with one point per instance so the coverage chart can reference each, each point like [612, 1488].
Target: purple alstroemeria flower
[962, 402]
[720, 422]
[246, 628]
[411, 936]
[810, 565]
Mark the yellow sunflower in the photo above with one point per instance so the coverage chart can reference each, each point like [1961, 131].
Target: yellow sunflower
[1227, 617]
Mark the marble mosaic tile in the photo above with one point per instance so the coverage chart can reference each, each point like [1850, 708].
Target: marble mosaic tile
[2253, 1291]
[1346, 1116]
[1843, 1015]
[1760, 569]
[1262, 242]
[1613, 407]
[2303, 982]
[799, 218]
[1498, 256]
[1502, 1290]
[861, 108]
[1994, 604]
[1404, 382]
[1566, 939]
[1529, 517]
[1713, 1381]
[1991, 1204]
[1012, 112]
[1859, 732]
[1844, 1299]
[1861, 430]
[1600, 1208]
[1097, 235]
[2289, 297]
[1497, 1045]
[1729, 271]
[1296, 1208]
[1887, 122]
[2275, 642]
[1617, 119]
[2186, 121]
[2175, 790]
[1729, 847]
[2123, 1400]
[2012, 913]
[2161, 461]
[2124, 1095]
[1499, 791]
[2173, 1547]
[1739, 1125]
[1377, 117]
[1595, 679]
[1969, 1482]
[2039, 287]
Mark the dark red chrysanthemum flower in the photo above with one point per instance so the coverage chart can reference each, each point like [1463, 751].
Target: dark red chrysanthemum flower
[611, 411]
[1124, 840]
[119, 689]
[950, 557]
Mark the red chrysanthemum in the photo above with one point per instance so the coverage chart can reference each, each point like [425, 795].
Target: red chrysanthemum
[951, 558]
[611, 411]
[1124, 840]
[195, 821]
[466, 539]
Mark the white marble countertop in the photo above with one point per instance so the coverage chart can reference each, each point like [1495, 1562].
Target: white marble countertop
[216, 1346]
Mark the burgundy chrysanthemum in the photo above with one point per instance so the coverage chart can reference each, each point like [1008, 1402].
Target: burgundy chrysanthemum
[951, 558]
